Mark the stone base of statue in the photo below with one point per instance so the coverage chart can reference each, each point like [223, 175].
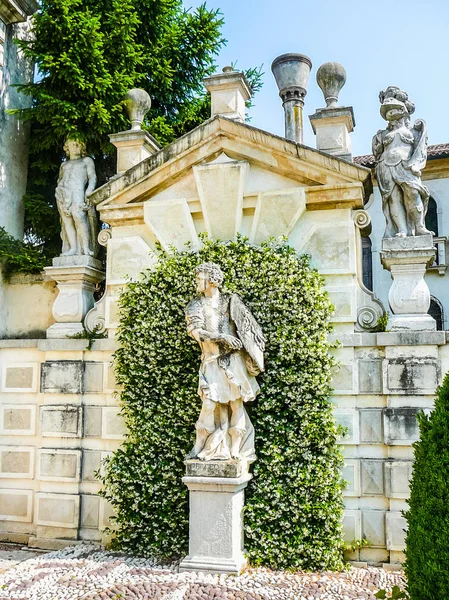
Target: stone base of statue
[76, 277]
[407, 258]
[217, 499]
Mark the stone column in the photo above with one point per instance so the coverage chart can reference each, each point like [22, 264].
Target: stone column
[76, 277]
[407, 258]
[217, 498]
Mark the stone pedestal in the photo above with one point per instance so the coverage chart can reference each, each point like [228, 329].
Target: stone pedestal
[76, 277]
[407, 258]
[133, 147]
[216, 516]
[332, 127]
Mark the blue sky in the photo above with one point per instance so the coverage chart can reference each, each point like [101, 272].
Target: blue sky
[379, 43]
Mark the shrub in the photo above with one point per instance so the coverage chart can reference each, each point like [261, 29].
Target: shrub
[427, 554]
[294, 503]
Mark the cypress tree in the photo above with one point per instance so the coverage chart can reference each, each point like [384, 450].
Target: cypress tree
[427, 554]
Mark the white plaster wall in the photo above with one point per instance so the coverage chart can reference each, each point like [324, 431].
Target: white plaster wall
[26, 306]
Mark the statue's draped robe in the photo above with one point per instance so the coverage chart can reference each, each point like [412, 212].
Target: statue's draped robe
[224, 376]
[401, 154]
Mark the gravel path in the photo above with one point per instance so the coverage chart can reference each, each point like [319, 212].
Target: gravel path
[87, 573]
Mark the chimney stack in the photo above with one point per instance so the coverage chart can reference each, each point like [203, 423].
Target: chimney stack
[291, 72]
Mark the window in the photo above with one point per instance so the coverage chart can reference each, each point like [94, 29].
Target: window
[367, 263]
[432, 217]
[436, 311]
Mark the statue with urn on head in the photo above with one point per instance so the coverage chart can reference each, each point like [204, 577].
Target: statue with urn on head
[400, 152]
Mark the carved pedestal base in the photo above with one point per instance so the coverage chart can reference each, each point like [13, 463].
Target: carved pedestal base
[76, 277]
[216, 520]
[409, 296]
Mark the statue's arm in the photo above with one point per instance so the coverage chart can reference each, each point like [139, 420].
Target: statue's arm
[378, 146]
[61, 172]
[91, 175]
[418, 160]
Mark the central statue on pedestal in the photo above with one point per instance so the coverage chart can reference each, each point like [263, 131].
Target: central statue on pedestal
[232, 345]
[400, 152]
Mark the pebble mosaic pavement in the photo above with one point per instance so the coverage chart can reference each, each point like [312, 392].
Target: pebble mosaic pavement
[85, 572]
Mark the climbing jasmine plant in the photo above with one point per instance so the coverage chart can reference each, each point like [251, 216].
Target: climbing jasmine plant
[294, 502]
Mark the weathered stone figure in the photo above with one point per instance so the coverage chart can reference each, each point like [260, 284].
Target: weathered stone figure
[232, 345]
[400, 152]
[77, 179]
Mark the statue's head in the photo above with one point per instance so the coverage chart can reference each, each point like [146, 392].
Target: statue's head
[394, 104]
[208, 275]
[74, 148]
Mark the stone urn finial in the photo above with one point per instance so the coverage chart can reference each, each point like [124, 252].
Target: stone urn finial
[138, 103]
[331, 77]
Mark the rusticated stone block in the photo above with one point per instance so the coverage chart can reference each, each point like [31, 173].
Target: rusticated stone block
[62, 377]
[398, 474]
[57, 510]
[372, 477]
[93, 377]
[61, 421]
[19, 377]
[371, 426]
[91, 464]
[16, 462]
[59, 465]
[348, 419]
[18, 419]
[373, 527]
[396, 531]
[113, 425]
[370, 376]
[90, 511]
[16, 505]
[352, 525]
[401, 426]
[411, 375]
[92, 421]
[351, 475]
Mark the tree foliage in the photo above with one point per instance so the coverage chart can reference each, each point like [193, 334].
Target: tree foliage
[89, 54]
[294, 503]
[427, 555]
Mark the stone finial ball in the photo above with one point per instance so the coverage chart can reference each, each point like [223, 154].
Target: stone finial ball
[138, 103]
[331, 77]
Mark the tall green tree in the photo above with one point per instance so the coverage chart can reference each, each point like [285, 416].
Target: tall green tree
[427, 554]
[89, 53]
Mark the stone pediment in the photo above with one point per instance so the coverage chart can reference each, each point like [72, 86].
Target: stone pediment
[290, 164]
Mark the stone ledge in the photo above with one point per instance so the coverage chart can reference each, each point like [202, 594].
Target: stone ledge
[411, 338]
[213, 468]
[49, 544]
[20, 343]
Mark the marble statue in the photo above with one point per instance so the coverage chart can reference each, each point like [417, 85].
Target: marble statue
[77, 179]
[400, 152]
[232, 345]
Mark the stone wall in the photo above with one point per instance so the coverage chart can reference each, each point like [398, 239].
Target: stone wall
[59, 417]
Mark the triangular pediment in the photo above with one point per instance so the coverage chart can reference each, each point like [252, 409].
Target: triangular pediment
[283, 160]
